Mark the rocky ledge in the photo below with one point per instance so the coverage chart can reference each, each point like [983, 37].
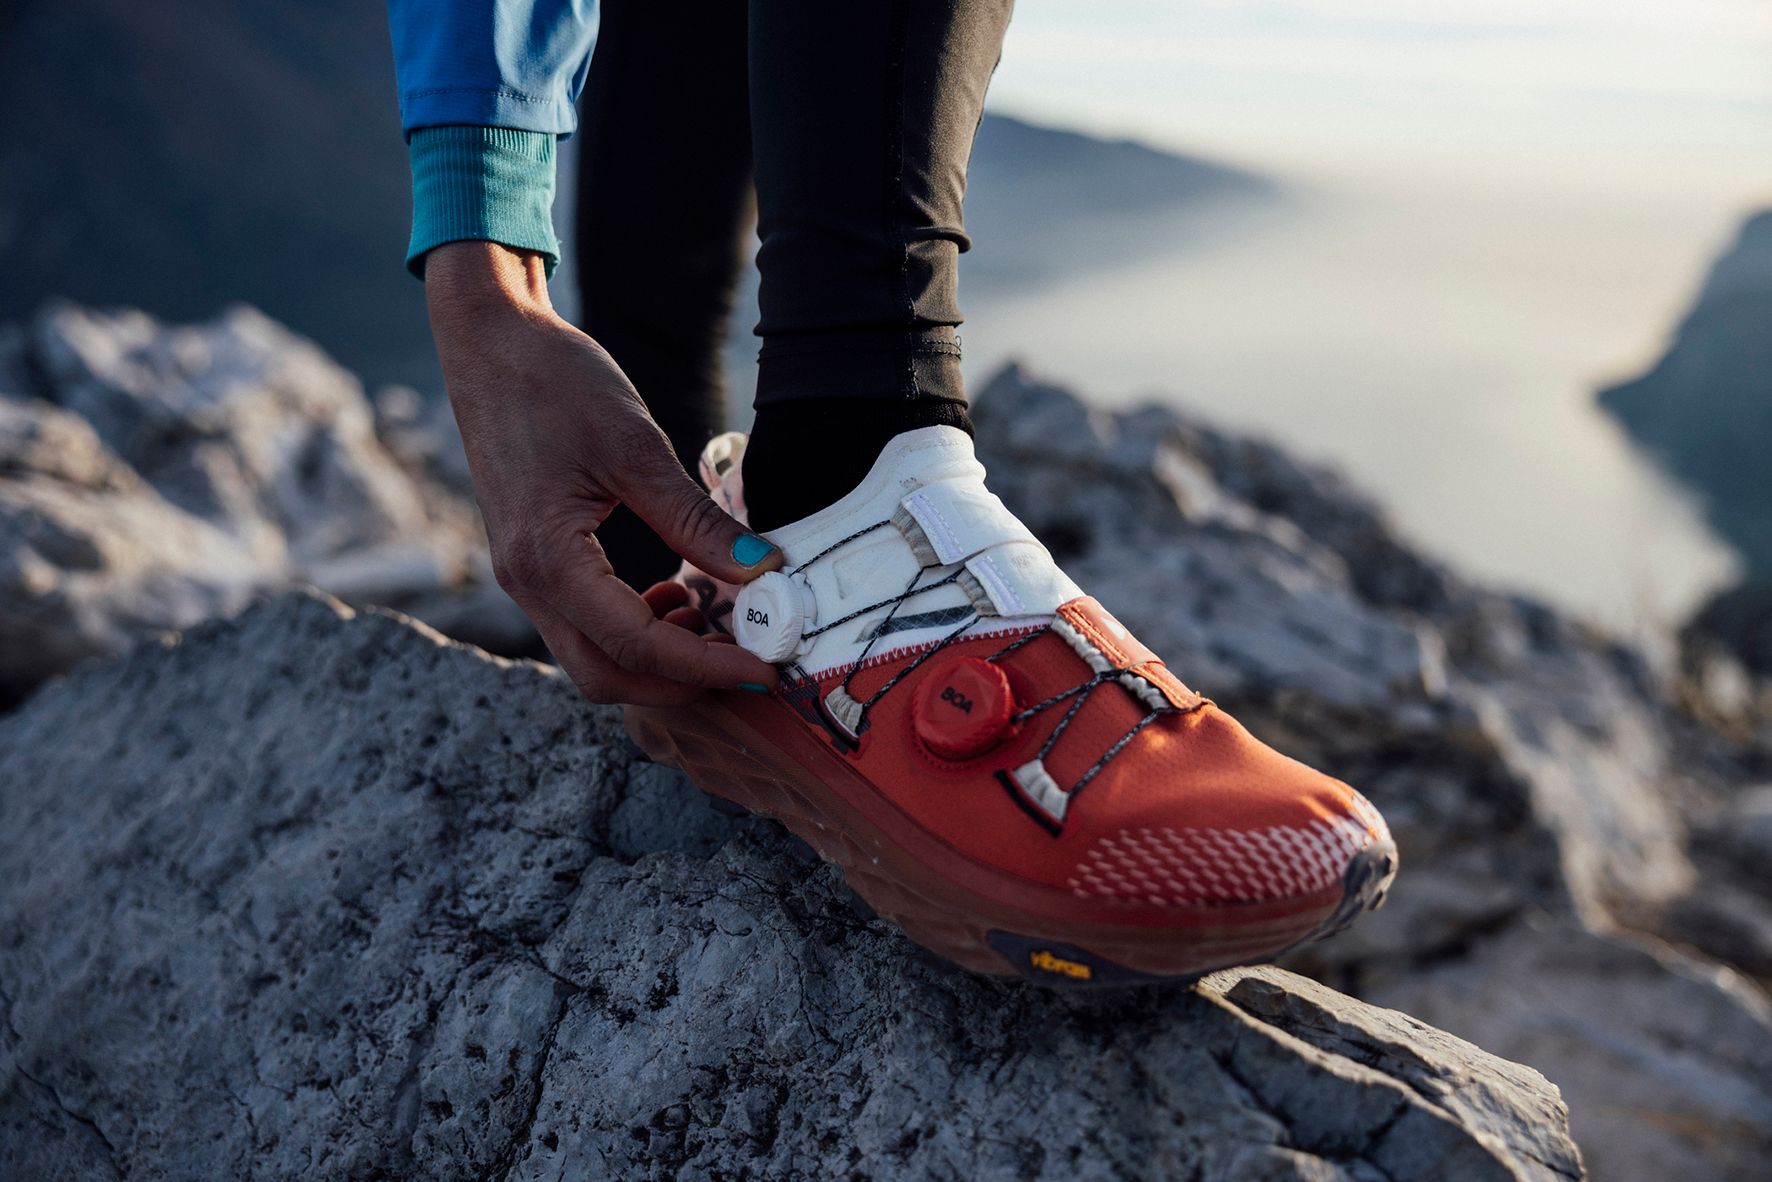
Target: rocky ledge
[315, 894]
[1583, 827]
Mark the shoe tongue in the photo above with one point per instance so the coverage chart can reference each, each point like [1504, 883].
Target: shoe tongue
[925, 455]
[722, 472]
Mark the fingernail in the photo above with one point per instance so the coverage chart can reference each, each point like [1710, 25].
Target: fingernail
[749, 550]
[753, 687]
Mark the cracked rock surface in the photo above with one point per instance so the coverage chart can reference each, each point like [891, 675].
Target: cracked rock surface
[328, 896]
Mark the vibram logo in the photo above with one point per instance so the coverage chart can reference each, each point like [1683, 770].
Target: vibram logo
[1048, 963]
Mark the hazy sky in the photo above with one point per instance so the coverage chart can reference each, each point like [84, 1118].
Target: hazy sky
[1600, 87]
[1497, 207]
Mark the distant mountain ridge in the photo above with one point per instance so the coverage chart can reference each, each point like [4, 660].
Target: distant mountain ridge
[1043, 201]
[248, 152]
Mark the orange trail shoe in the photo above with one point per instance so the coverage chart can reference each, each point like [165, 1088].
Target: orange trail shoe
[1000, 767]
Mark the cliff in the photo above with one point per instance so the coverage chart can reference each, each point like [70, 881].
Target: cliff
[1704, 410]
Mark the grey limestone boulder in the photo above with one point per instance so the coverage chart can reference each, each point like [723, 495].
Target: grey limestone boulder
[92, 557]
[154, 476]
[315, 894]
[1645, 1041]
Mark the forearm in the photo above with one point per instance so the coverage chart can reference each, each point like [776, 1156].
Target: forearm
[486, 302]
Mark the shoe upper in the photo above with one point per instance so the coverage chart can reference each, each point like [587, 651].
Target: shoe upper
[928, 637]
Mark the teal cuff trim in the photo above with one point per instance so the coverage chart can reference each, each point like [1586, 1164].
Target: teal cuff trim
[490, 184]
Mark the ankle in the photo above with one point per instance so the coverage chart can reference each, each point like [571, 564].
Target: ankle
[806, 454]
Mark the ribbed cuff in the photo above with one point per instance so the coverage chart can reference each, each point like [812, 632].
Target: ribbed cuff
[491, 184]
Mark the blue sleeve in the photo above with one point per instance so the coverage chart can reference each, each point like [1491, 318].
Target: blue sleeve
[492, 63]
[485, 87]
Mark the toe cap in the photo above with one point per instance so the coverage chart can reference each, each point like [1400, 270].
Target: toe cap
[1228, 820]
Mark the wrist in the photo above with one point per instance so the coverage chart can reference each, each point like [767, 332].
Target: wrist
[471, 287]
[480, 276]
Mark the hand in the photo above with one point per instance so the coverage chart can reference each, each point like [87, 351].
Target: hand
[556, 436]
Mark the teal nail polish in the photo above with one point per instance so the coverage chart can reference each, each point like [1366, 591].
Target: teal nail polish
[755, 687]
[749, 550]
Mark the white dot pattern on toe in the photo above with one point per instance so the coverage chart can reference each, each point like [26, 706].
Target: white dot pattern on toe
[1167, 866]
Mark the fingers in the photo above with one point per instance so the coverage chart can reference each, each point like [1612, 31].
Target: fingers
[665, 597]
[623, 625]
[617, 645]
[670, 602]
[688, 618]
[678, 511]
[596, 676]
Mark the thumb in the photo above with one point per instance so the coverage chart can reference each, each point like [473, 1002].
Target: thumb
[690, 523]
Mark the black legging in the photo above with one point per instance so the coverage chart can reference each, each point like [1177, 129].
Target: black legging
[857, 118]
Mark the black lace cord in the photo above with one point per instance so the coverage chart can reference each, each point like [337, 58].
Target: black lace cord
[1084, 691]
[1119, 745]
[840, 543]
[895, 601]
[910, 668]
[1055, 699]
[1081, 691]
[880, 628]
[1017, 643]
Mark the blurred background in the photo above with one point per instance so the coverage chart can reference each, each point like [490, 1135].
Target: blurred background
[1488, 212]
[1401, 372]
[1418, 243]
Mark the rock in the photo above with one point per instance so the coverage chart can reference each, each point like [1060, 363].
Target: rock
[1665, 1060]
[1564, 803]
[1749, 828]
[347, 899]
[241, 423]
[1726, 922]
[1704, 410]
[152, 477]
[91, 556]
[423, 434]
[1738, 620]
[1728, 913]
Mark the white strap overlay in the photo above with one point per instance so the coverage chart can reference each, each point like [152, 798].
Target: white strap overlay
[875, 554]
[950, 521]
[1008, 572]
